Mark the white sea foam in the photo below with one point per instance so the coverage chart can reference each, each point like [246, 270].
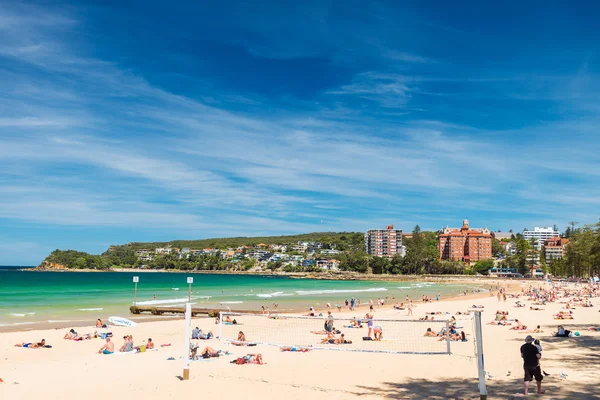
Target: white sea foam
[175, 288]
[18, 323]
[403, 287]
[90, 309]
[232, 302]
[335, 291]
[274, 294]
[22, 314]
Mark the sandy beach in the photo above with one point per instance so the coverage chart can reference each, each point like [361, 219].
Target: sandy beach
[75, 369]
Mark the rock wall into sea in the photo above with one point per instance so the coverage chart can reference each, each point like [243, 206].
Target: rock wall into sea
[50, 266]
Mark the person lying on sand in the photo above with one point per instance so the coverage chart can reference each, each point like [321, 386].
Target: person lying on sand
[339, 340]
[594, 329]
[536, 308]
[249, 359]
[355, 323]
[70, 335]
[424, 319]
[87, 336]
[564, 315]
[536, 330]
[108, 348]
[38, 345]
[501, 323]
[207, 352]
[295, 349]
[519, 327]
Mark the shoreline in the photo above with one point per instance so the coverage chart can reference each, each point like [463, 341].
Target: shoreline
[291, 309]
[337, 276]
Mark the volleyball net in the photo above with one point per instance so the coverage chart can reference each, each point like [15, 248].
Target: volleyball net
[393, 336]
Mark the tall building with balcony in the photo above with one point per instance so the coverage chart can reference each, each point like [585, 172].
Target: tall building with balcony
[540, 235]
[465, 244]
[384, 242]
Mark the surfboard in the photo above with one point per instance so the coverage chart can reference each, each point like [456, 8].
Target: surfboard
[121, 322]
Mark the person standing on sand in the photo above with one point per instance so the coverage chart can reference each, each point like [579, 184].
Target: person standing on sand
[410, 307]
[531, 365]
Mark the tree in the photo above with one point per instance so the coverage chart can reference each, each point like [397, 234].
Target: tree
[354, 261]
[573, 223]
[543, 264]
[482, 266]
[497, 249]
[380, 265]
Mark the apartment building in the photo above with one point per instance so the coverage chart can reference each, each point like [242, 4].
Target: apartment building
[384, 242]
[465, 244]
[555, 248]
[540, 235]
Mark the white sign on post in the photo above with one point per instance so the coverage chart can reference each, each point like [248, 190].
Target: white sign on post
[136, 279]
[190, 279]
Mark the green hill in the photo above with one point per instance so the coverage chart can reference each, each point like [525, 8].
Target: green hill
[342, 240]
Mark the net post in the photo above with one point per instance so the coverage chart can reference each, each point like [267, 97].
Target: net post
[186, 345]
[448, 336]
[220, 325]
[480, 361]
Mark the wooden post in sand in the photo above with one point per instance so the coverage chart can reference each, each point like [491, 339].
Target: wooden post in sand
[186, 343]
[480, 363]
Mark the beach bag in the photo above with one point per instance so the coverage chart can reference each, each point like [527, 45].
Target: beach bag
[367, 338]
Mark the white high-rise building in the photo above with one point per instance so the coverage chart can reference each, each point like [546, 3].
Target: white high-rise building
[540, 235]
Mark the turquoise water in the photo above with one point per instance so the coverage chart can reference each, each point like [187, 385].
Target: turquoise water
[33, 297]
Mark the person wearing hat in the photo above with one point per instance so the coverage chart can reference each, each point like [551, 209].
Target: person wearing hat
[531, 364]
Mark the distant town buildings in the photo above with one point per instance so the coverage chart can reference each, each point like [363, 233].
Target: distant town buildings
[465, 244]
[540, 235]
[554, 248]
[502, 235]
[384, 242]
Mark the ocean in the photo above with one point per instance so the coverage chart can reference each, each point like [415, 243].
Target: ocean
[28, 298]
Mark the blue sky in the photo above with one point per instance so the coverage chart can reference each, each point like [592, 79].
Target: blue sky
[149, 122]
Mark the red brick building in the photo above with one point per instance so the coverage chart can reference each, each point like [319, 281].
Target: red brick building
[465, 244]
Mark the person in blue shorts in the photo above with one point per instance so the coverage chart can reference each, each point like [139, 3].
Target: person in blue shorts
[108, 348]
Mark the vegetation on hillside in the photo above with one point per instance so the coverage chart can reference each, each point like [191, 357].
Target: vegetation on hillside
[342, 241]
[582, 257]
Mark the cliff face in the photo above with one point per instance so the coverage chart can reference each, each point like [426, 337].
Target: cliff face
[50, 266]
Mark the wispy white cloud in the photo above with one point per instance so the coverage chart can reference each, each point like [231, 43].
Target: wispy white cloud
[86, 142]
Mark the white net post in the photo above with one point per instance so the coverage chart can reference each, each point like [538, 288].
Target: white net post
[480, 361]
[220, 325]
[448, 336]
[186, 342]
